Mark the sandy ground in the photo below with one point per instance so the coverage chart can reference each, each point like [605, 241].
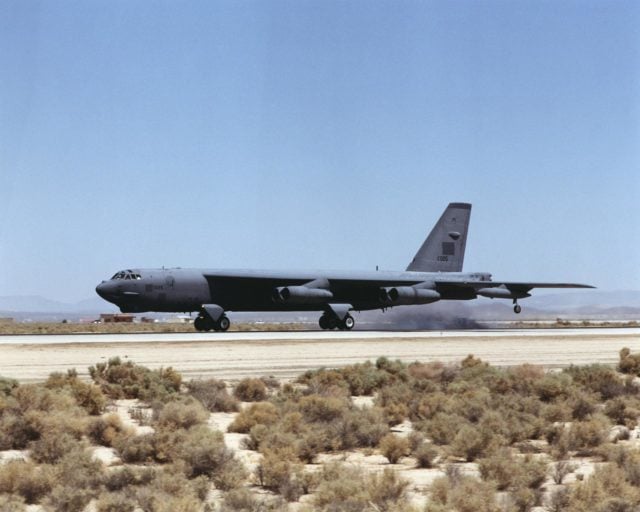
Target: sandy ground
[232, 356]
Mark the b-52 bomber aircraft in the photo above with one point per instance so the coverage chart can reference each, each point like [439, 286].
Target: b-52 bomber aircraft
[434, 274]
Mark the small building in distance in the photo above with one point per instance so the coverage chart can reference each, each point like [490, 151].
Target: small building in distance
[6, 320]
[116, 318]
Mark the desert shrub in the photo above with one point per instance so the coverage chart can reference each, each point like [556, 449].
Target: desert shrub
[358, 379]
[470, 404]
[558, 500]
[341, 488]
[597, 378]
[26, 479]
[182, 414]
[317, 408]
[52, 446]
[364, 379]
[582, 405]
[444, 427]
[559, 440]
[104, 430]
[201, 451]
[500, 467]
[68, 498]
[416, 439]
[325, 382]
[231, 475]
[135, 449]
[585, 436]
[240, 500]
[462, 494]
[15, 431]
[129, 380]
[115, 502]
[151, 500]
[33, 410]
[213, 394]
[396, 368]
[280, 472]
[127, 476]
[513, 472]
[605, 490]
[35, 397]
[472, 442]
[628, 460]
[553, 386]
[558, 412]
[171, 491]
[350, 489]
[629, 363]
[395, 400]
[78, 469]
[12, 504]
[533, 471]
[394, 447]
[432, 371]
[259, 413]
[425, 406]
[72, 421]
[358, 428]
[623, 411]
[87, 396]
[425, 455]
[7, 385]
[387, 490]
[396, 412]
[560, 470]
[250, 390]
[523, 499]
[631, 467]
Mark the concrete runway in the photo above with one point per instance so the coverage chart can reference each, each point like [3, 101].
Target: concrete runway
[234, 355]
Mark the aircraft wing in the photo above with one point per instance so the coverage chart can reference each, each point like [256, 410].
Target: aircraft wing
[510, 285]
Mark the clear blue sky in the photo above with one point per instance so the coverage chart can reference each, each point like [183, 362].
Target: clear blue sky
[316, 134]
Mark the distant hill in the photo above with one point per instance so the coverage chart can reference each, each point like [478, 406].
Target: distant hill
[34, 307]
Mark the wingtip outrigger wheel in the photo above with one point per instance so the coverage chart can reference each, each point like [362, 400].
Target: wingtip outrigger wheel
[516, 307]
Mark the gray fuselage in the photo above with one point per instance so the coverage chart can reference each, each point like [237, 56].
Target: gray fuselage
[186, 290]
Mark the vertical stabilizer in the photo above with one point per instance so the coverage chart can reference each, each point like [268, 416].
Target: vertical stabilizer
[443, 250]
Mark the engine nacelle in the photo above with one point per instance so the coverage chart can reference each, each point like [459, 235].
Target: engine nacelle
[501, 293]
[301, 295]
[405, 295]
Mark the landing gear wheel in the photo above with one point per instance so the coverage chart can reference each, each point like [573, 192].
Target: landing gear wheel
[200, 324]
[517, 309]
[223, 323]
[348, 323]
[324, 322]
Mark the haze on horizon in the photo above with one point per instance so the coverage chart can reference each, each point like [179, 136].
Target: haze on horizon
[316, 134]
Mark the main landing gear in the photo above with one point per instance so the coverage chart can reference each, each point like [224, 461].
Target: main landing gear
[205, 323]
[330, 321]
[516, 307]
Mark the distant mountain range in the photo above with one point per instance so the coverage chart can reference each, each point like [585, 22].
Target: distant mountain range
[35, 307]
[594, 304]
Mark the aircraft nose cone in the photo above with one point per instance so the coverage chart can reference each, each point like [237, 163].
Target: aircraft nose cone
[102, 289]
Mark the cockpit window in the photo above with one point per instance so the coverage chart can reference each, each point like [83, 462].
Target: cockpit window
[128, 274]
